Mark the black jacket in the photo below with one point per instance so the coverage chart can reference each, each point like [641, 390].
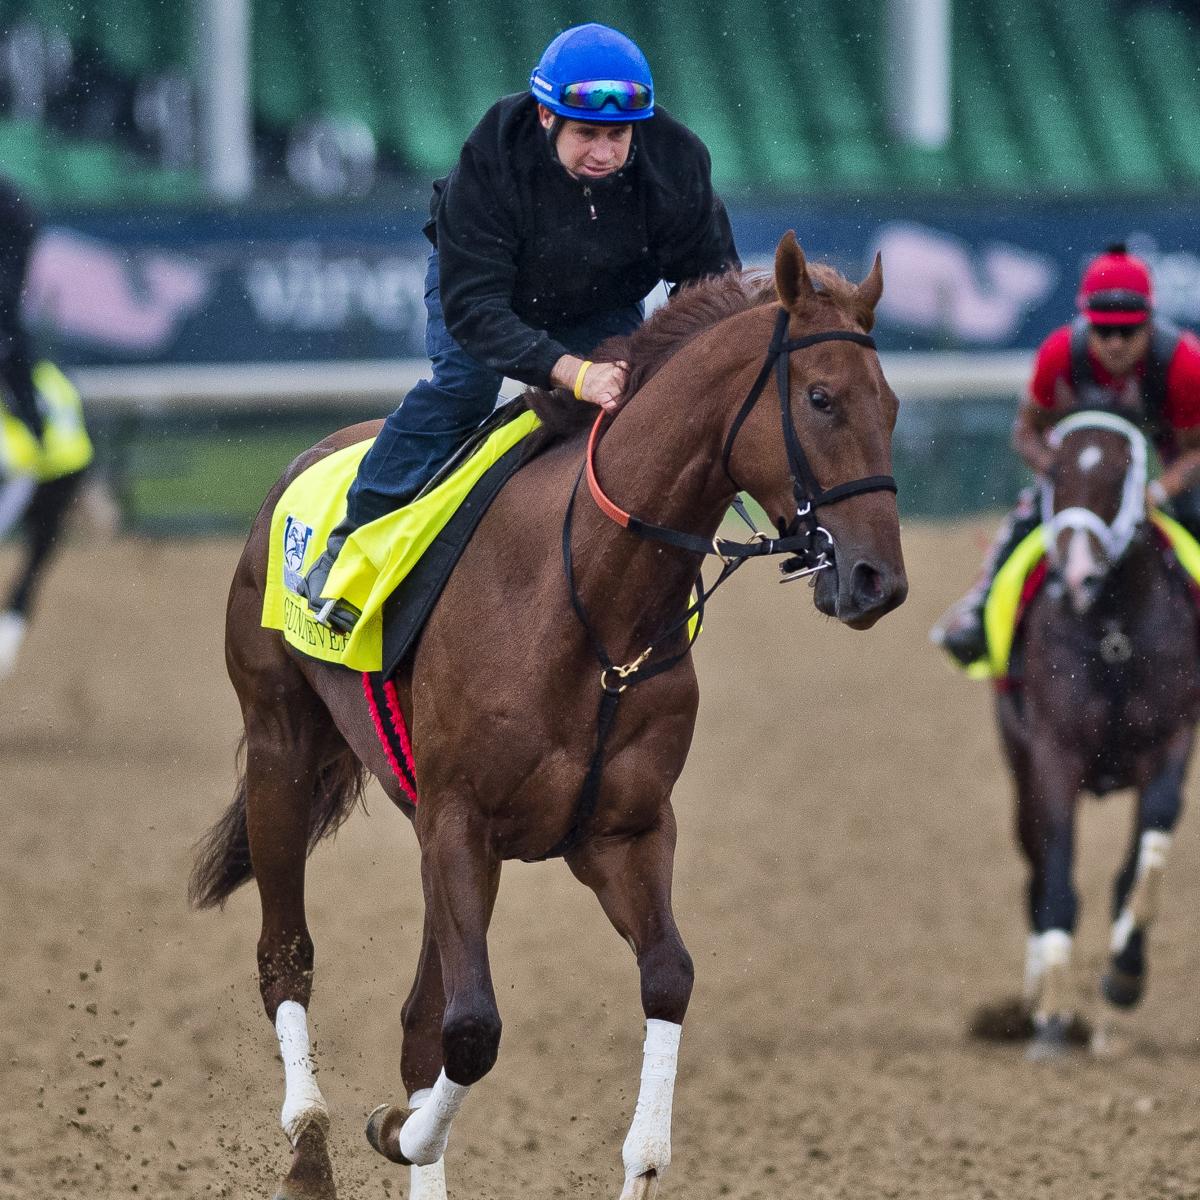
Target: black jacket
[525, 247]
[18, 228]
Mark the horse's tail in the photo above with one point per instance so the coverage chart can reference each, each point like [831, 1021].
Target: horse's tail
[223, 856]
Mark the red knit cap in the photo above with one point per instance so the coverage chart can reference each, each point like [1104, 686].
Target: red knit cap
[1116, 289]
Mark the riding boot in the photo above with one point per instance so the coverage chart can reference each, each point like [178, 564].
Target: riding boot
[334, 612]
[960, 632]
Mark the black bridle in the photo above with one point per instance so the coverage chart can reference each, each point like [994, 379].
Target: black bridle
[800, 539]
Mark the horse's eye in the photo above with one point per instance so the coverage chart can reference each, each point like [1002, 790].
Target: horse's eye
[820, 400]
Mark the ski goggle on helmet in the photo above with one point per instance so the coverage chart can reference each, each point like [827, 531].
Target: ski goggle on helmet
[593, 73]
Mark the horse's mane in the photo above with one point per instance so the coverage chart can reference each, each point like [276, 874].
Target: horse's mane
[695, 308]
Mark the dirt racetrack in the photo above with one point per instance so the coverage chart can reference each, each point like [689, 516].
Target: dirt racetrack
[842, 936]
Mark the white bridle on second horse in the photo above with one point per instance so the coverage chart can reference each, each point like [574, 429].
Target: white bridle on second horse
[1081, 569]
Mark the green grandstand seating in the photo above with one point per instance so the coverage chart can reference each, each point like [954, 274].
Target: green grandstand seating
[1163, 45]
[1127, 145]
[1049, 96]
[22, 153]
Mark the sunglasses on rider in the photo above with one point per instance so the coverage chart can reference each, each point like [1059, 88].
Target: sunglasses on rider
[591, 95]
[1124, 332]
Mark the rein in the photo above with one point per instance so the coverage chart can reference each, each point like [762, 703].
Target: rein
[801, 539]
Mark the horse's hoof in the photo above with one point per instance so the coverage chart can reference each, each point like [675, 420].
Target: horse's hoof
[1125, 980]
[1051, 1038]
[383, 1132]
[1122, 990]
[311, 1176]
[641, 1187]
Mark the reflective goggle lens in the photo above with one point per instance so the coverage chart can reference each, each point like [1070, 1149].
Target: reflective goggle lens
[593, 94]
[1124, 332]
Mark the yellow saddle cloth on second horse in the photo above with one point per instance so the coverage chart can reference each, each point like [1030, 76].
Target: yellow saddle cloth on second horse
[1010, 590]
[376, 556]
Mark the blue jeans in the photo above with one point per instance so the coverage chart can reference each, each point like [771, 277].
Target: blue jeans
[439, 414]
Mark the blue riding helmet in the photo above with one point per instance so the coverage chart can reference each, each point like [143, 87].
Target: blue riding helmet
[593, 73]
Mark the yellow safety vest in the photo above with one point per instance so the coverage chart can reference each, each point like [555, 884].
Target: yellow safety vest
[65, 446]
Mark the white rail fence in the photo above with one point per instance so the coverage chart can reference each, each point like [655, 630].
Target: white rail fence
[377, 385]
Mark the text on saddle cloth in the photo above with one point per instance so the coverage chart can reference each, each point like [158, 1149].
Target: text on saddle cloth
[376, 558]
[1012, 590]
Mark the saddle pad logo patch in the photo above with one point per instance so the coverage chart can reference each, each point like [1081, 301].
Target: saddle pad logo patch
[295, 544]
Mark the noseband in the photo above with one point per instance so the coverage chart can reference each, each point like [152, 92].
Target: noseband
[1116, 535]
[804, 537]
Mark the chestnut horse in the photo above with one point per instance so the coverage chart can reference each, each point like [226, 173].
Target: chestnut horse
[502, 690]
[1110, 697]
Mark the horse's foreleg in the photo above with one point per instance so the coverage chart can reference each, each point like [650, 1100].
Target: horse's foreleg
[632, 879]
[1046, 829]
[1137, 888]
[460, 875]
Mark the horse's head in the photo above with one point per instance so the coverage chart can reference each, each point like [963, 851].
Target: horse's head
[1094, 501]
[835, 403]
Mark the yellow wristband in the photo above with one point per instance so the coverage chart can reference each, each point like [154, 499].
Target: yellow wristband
[579, 378]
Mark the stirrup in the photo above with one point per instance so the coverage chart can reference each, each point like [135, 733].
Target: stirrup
[335, 614]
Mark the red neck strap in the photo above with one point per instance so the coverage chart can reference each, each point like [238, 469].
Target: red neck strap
[606, 506]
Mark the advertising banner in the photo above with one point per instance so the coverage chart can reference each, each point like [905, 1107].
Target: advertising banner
[282, 286]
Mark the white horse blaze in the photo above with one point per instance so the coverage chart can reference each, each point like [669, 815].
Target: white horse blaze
[648, 1145]
[1081, 562]
[302, 1101]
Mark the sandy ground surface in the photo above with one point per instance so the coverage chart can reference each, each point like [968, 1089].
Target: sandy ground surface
[849, 892]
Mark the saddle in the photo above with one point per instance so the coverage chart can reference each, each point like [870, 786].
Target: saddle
[392, 569]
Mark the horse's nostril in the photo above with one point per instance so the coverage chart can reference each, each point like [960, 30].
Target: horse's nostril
[866, 584]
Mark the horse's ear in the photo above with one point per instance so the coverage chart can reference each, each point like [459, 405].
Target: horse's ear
[791, 272]
[871, 288]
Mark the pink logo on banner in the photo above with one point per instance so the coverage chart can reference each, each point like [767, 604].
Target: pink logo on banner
[130, 301]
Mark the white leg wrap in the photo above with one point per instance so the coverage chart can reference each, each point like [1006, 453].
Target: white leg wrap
[12, 635]
[1152, 860]
[426, 1183]
[1054, 948]
[425, 1134]
[648, 1145]
[302, 1101]
[1152, 850]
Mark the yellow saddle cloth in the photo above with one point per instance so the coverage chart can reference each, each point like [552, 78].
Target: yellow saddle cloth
[1004, 606]
[65, 446]
[376, 557]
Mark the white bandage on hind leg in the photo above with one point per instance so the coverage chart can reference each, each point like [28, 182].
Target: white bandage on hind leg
[1054, 948]
[424, 1135]
[302, 1101]
[1152, 850]
[1152, 858]
[648, 1145]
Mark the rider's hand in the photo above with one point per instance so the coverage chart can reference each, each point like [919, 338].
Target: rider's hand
[604, 385]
